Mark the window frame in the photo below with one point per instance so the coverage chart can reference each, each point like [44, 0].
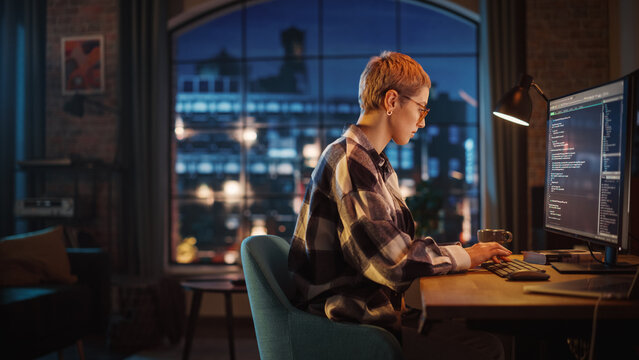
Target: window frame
[196, 16]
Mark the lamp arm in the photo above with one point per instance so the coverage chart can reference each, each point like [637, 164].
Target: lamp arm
[539, 90]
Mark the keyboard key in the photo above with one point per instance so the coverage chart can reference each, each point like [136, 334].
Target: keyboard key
[506, 267]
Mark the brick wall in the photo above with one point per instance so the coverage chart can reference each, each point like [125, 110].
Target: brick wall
[567, 50]
[94, 134]
[567, 45]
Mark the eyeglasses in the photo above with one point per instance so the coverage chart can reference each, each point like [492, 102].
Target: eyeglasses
[422, 109]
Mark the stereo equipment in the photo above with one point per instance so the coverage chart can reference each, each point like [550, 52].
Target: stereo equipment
[44, 207]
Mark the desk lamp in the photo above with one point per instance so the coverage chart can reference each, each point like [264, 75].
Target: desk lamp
[516, 106]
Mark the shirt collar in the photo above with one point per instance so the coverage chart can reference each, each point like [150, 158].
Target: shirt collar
[356, 134]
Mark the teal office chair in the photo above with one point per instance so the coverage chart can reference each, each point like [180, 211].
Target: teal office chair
[283, 331]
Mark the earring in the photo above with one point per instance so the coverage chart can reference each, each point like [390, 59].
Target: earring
[389, 113]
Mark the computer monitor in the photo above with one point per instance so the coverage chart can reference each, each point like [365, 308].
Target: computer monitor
[588, 157]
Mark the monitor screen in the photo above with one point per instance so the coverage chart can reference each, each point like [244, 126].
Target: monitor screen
[586, 165]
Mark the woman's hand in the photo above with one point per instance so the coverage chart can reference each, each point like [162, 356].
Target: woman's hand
[481, 252]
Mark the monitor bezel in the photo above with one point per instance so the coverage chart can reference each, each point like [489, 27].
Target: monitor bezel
[622, 242]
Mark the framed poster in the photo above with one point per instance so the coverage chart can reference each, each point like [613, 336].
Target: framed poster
[83, 65]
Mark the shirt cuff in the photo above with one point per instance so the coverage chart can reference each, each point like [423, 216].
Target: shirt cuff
[458, 256]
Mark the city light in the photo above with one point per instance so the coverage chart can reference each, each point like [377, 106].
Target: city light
[205, 167]
[407, 187]
[186, 251]
[179, 128]
[180, 167]
[465, 235]
[285, 168]
[469, 145]
[311, 150]
[230, 257]
[467, 98]
[232, 188]
[456, 175]
[204, 192]
[232, 222]
[311, 153]
[259, 227]
[249, 135]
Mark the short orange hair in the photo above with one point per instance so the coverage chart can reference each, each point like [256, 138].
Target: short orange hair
[390, 70]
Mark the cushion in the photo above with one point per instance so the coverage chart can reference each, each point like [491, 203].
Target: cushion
[34, 258]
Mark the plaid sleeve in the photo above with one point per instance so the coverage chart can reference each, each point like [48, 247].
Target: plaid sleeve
[385, 254]
[370, 238]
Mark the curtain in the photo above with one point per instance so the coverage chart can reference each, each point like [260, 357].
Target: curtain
[22, 91]
[502, 61]
[143, 154]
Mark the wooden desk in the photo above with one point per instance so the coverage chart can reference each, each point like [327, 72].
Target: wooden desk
[479, 295]
[536, 325]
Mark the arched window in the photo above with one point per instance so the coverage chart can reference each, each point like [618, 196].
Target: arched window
[261, 87]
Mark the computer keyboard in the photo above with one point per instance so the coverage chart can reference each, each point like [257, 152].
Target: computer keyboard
[506, 267]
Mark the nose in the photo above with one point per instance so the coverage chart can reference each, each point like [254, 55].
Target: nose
[421, 123]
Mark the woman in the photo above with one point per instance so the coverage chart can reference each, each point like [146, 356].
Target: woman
[353, 252]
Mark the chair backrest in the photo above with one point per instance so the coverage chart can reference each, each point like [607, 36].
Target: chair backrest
[285, 332]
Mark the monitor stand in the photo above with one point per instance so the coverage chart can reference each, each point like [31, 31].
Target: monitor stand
[610, 266]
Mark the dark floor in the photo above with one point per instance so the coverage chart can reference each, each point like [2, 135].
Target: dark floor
[209, 342]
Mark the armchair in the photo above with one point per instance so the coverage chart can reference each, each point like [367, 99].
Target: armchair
[286, 332]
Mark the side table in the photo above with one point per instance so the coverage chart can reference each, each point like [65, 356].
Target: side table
[224, 284]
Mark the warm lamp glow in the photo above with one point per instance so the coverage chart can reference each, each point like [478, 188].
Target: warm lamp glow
[511, 118]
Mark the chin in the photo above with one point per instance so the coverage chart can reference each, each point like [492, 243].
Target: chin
[401, 141]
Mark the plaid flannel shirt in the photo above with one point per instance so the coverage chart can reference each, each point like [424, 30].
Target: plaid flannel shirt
[353, 253]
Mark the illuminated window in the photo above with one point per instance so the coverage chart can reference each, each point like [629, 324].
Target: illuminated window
[262, 87]
[453, 134]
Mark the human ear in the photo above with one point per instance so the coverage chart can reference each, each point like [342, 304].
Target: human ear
[391, 100]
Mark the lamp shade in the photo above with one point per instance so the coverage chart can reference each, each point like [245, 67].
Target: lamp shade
[516, 106]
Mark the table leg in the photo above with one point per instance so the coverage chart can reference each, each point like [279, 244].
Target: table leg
[190, 326]
[229, 323]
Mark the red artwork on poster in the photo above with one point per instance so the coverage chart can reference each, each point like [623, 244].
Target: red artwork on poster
[82, 65]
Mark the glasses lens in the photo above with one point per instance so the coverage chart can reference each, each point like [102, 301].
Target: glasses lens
[424, 113]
